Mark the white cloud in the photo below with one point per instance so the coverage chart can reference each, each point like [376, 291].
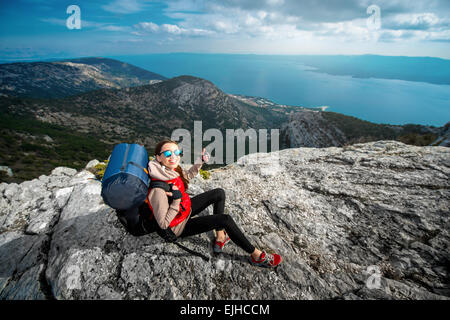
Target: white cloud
[262, 15]
[302, 20]
[171, 29]
[54, 21]
[417, 21]
[224, 26]
[114, 28]
[251, 21]
[148, 26]
[124, 6]
[87, 24]
[219, 20]
[285, 26]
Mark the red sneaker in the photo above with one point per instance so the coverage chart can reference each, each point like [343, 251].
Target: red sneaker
[266, 260]
[218, 246]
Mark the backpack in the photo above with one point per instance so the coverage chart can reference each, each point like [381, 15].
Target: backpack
[125, 182]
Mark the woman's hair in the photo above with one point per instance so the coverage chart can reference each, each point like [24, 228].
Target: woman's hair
[177, 169]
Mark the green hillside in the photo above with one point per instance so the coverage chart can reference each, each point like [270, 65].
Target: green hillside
[32, 148]
[360, 131]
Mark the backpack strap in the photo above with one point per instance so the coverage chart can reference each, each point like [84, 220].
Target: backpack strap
[124, 161]
[159, 184]
[195, 253]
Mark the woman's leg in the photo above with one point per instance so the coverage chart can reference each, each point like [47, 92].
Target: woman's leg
[203, 200]
[218, 221]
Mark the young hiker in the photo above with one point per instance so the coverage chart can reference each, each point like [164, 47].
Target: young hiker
[178, 217]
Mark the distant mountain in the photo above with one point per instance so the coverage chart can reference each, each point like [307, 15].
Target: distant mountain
[420, 69]
[37, 134]
[68, 77]
[147, 113]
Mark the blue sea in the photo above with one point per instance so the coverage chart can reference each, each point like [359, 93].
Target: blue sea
[388, 90]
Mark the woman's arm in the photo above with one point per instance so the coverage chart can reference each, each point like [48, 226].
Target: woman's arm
[192, 172]
[163, 212]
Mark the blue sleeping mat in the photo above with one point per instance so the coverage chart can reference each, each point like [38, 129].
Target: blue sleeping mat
[125, 182]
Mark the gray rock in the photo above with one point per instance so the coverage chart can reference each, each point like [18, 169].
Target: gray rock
[27, 287]
[63, 171]
[22, 266]
[41, 221]
[10, 190]
[367, 221]
[92, 164]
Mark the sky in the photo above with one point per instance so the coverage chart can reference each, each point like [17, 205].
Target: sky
[49, 29]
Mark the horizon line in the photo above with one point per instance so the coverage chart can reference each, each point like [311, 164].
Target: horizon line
[18, 60]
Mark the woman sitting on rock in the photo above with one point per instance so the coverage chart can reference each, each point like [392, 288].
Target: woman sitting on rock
[177, 218]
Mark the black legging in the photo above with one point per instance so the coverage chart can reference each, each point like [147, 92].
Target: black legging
[218, 220]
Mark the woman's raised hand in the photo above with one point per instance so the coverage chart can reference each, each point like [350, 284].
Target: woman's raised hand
[205, 155]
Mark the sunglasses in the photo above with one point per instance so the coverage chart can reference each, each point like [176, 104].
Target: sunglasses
[168, 153]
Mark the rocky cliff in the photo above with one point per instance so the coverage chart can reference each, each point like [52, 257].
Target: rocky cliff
[296, 131]
[318, 129]
[368, 221]
[443, 136]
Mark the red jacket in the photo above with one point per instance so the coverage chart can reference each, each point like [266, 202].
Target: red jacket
[185, 204]
[164, 212]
